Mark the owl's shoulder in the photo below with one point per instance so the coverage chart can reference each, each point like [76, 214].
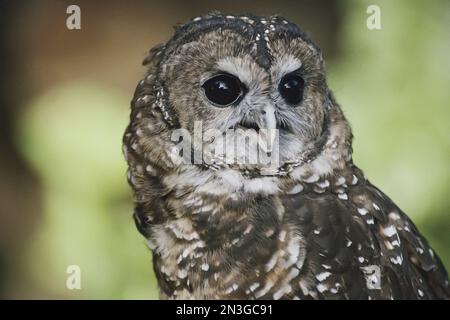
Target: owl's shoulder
[353, 230]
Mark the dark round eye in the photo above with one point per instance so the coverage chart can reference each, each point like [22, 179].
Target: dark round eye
[291, 88]
[223, 89]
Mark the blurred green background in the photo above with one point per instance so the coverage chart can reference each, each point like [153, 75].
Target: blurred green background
[65, 104]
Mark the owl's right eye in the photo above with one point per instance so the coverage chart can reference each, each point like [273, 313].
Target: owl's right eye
[223, 89]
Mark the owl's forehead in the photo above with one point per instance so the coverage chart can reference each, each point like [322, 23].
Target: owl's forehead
[270, 41]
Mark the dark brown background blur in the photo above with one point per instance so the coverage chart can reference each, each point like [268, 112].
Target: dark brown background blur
[64, 99]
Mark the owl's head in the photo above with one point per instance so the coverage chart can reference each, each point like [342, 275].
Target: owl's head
[240, 76]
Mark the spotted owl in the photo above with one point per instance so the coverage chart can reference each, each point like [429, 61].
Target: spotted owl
[305, 225]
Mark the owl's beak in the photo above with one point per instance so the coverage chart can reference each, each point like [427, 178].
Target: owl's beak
[268, 125]
[263, 121]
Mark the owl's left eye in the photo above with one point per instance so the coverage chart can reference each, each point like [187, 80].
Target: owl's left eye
[223, 89]
[291, 88]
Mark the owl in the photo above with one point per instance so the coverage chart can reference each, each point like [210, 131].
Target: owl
[294, 218]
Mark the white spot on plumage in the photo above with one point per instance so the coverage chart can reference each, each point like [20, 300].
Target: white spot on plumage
[323, 276]
[397, 260]
[266, 185]
[363, 211]
[182, 231]
[254, 286]
[292, 274]
[394, 216]
[272, 262]
[340, 181]
[293, 250]
[323, 184]
[182, 274]
[321, 287]
[375, 206]
[282, 235]
[389, 231]
[269, 232]
[139, 132]
[265, 289]
[295, 189]
[312, 178]
[205, 267]
[150, 170]
[151, 244]
[282, 291]
[343, 196]
[232, 288]
[248, 229]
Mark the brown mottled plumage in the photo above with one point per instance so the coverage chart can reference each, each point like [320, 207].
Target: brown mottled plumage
[310, 229]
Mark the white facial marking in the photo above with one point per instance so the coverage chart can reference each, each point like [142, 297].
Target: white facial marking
[285, 65]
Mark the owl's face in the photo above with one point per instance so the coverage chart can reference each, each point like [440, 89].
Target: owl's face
[231, 73]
